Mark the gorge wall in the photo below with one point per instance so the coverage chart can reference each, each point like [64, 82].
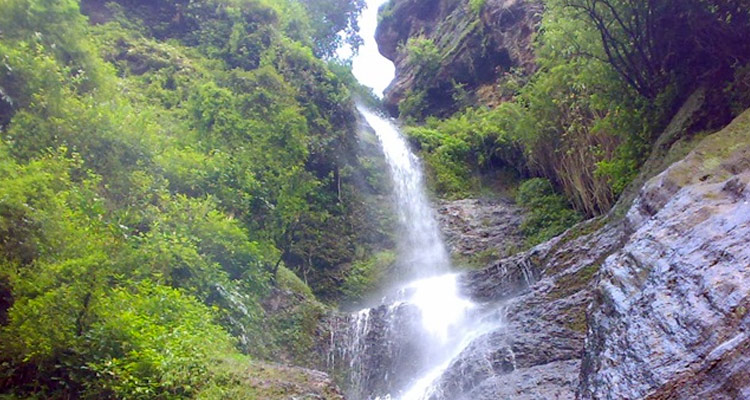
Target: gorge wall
[653, 305]
[476, 48]
[647, 302]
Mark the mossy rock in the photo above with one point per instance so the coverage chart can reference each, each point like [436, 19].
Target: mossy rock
[570, 284]
[717, 157]
[242, 378]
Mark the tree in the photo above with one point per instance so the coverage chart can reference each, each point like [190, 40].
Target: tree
[655, 42]
[334, 24]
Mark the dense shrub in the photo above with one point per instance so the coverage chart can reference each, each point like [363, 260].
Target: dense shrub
[548, 213]
[161, 175]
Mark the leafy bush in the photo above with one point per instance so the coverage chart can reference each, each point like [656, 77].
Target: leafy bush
[573, 122]
[365, 275]
[422, 54]
[549, 214]
[154, 341]
[459, 148]
[155, 172]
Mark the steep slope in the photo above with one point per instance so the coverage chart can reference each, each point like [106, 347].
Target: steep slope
[666, 289]
[170, 172]
[475, 46]
[670, 318]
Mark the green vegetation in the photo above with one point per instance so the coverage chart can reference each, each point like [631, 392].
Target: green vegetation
[165, 169]
[610, 75]
[458, 147]
[424, 57]
[549, 214]
[366, 275]
[476, 5]
[422, 54]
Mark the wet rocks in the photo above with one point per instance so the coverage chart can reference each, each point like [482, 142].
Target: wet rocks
[476, 46]
[667, 291]
[480, 230]
[655, 305]
[544, 292]
[671, 317]
[376, 351]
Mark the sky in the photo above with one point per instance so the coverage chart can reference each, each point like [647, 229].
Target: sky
[371, 68]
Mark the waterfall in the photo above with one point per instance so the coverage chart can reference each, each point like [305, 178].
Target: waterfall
[398, 350]
[424, 253]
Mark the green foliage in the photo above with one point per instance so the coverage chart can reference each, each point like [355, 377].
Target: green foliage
[161, 175]
[585, 120]
[153, 341]
[414, 106]
[58, 27]
[548, 212]
[476, 6]
[366, 275]
[573, 122]
[459, 148]
[422, 54]
[627, 31]
[334, 23]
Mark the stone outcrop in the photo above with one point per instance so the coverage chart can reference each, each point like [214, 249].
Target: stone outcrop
[670, 319]
[476, 47]
[374, 352]
[667, 289]
[281, 382]
[543, 295]
[478, 229]
[652, 304]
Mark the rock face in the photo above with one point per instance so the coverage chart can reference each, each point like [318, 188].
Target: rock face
[653, 305]
[476, 47]
[671, 317]
[543, 294]
[375, 352]
[667, 289]
[478, 229]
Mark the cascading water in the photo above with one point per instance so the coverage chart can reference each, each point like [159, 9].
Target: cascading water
[423, 250]
[398, 350]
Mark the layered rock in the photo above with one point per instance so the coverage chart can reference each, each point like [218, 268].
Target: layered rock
[476, 47]
[671, 317]
[476, 230]
[543, 294]
[668, 288]
[652, 305]
[376, 351]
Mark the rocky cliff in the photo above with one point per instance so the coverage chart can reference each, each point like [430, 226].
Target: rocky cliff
[670, 316]
[479, 230]
[650, 306]
[476, 47]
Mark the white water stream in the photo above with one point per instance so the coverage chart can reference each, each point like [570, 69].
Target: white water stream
[448, 321]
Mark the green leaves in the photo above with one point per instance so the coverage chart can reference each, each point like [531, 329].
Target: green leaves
[155, 172]
[422, 54]
[549, 214]
[154, 341]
